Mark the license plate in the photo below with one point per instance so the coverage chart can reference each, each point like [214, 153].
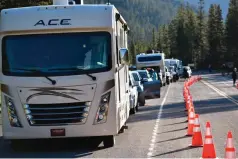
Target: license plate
[57, 132]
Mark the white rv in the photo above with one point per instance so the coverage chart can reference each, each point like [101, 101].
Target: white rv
[64, 72]
[152, 60]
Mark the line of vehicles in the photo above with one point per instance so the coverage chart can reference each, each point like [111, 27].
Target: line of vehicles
[153, 71]
[64, 72]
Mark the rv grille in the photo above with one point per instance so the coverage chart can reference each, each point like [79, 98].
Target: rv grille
[57, 114]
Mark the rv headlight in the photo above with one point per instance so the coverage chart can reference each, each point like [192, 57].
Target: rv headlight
[101, 116]
[88, 103]
[12, 114]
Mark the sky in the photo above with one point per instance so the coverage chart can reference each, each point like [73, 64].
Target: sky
[223, 3]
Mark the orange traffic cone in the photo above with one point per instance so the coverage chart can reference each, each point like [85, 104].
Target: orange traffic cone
[208, 147]
[191, 109]
[189, 93]
[190, 123]
[197, 135]
[188, 103]
[230, 152]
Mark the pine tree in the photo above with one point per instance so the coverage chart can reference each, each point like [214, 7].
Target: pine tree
[232, 32]
[165, 45]
[202, 41]
[211, 35]
[159, 39]
[132, 53]
[153, 39]
[190, 30]
[220, 35]
[172, 33]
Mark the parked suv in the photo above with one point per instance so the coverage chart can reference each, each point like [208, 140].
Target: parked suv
[151, 88]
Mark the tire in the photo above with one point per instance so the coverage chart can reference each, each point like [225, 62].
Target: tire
[141, 99]
[137, 105]
[109, 141]
[168, 82]
[158, 95]
[142, 102]
[133, 110]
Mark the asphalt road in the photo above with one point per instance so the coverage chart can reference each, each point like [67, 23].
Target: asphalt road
[158, 130]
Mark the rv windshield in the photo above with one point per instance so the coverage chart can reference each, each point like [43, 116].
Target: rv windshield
[149, 58]
[56, 54]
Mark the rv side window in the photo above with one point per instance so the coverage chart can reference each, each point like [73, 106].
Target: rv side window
[149, 58]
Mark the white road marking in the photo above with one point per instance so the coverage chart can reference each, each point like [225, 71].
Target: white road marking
[221, 93]
[154, 134]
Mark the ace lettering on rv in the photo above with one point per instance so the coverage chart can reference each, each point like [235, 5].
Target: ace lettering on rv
[53, 22]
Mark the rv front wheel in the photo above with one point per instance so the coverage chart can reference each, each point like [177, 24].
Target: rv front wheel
[137, 105]
[109, 141]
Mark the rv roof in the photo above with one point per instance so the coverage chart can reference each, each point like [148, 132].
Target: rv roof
[74, 16]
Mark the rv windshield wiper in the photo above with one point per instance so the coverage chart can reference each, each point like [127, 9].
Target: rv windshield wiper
[36, 71]
[76, 69]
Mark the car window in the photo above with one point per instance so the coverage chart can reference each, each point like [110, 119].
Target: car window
[135, 76]
[143, 74]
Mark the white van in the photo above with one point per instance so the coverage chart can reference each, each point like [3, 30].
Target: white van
[64, 72]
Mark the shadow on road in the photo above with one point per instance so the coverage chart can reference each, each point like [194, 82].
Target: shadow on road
[178, 150]
[172, 131]
[177, 138]
[60, 148]
[176, 110]
[182, 122]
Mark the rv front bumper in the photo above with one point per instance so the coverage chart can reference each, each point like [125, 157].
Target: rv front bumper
[69, 131]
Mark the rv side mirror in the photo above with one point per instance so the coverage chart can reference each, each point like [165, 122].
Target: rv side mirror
[124, 56]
